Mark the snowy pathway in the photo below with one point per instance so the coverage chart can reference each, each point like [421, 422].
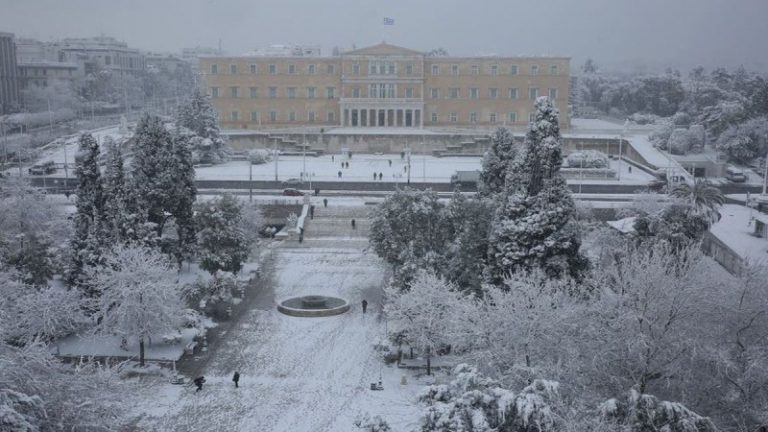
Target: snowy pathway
[298, 374]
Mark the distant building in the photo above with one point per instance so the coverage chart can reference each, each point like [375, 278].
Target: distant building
[169, 63]
[35, 51]
[286, 51]
[384, 86]
[41, 74]
[101, 52]
[9, 83]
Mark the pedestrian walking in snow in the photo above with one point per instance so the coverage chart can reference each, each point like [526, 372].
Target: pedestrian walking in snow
[325, 202]
[236, 378]
[390, 162]
[349, 154]
[374, 176]
[199, 383]
[365, 305]
[405, 168]
[402, 155]
[317, 191]
[629, 167]
[311, 212]
[332, 159]
[381, 175]
[353, 224]
[339, 174]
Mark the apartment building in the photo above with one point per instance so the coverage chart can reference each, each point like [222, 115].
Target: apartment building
[383, 86]
[9, 83]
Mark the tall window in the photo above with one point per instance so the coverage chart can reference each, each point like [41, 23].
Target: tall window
[254, 69]
[409, 69]
[455, 70]
[453, 93]
[272, 92]
[473, 117]
[494, 69]
[311, 69]
[453, 118]
[409, 92]
[330, 69]
[553, 93]
[493, 93]
[434, 117]
[330, 92]
[434, 93]
[291, 69]
[311, 92]
[533, 93]
[512, 93]
[292, 116]
[356, 69]
[291, 92]
[234, 92]
[331, 117]
[553, 70]
[254, 116]
[254, 92]
[475, 69]
[355, 92]
[233, 69]
[513, 117]
[273, 116]
[214, 92]
[273, 69]
[492, 118]
[531, 117]
[435, 69]
[214, 69]
[311, 116]
[474, 93]
[534, 69]
[513, 69]
[234, 116]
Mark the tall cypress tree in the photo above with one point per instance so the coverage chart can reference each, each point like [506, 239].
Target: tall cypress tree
[198, 116]
[185, 193]
[532, 225]
[116, 217]
[496, 162]
[88, 239]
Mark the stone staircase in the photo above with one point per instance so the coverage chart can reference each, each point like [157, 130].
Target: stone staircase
[336, 221]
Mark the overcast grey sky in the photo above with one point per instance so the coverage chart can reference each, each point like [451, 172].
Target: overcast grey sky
[656, 33]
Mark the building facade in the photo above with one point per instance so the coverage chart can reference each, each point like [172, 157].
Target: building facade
[101, 52]
[383, 86]
[9, 82]
[41, 74]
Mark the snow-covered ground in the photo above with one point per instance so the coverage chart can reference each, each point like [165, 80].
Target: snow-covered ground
[297, 374]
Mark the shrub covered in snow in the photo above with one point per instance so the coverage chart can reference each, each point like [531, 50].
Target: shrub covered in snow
[473, 402]
[643, 119]
[587, 159]
[372, 424]
[259, 156]
[642, 412]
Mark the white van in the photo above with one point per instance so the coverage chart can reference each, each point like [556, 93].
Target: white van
[735, 175]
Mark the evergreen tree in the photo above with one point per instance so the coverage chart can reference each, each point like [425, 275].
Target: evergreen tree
[532, 227]
[152, 184]
[496, 162]
[88, 237]
[223, 244]
[199, 117]
[116, 218]
[185, 193]
[468, 222]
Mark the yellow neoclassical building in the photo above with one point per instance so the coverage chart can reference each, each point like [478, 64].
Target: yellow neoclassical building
[383, 86]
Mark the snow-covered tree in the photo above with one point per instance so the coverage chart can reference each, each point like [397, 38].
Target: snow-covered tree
[467, 222]
[223, 244]
[533, 226]
[42, 314]
[745, 141]
[702, 198]
[643, 412]
[184, 195]
[473, 402]
[118, 222]
[88, 239]
[199, 117]
[424, 311]
[137, 294]
[259, 156]
[496, 162]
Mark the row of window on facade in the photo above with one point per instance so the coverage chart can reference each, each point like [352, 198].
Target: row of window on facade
[388, 91]
[376, 67]
[311, 117]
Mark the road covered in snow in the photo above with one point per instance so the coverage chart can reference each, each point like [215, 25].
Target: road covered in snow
[297, 374]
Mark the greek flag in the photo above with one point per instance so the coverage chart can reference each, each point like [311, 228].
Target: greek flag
[389, 21]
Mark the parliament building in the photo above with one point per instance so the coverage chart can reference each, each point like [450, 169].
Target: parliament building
[383, 86]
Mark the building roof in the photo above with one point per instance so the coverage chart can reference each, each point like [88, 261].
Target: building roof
[383, 49]
[735, 229]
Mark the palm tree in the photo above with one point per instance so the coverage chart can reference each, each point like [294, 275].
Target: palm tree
[702, 198]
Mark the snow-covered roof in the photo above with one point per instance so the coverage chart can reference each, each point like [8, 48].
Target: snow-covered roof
[625, 226]
[735, 229]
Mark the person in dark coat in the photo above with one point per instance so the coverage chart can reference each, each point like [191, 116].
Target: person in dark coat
[332, 159]
[381, 176]
[236, 378]
[353, 224]
[325, 202]
[374, 176]
[365, 305]
[199, 383]
[339, 174]
[311, 212]
[390, 162]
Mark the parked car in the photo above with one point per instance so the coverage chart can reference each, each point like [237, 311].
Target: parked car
[292, 182]
[735, 175]
[465, 178]
[44, 168]
[292, 192]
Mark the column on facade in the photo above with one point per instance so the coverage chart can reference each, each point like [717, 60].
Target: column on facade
[421, 119]
[386, 117]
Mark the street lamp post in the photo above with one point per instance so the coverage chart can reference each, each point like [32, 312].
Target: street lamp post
[250, 181]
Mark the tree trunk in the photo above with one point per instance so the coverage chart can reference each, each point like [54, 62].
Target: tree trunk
[429, 362]
[141, 351]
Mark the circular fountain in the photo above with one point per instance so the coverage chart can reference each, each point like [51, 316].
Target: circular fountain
[313, 306]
